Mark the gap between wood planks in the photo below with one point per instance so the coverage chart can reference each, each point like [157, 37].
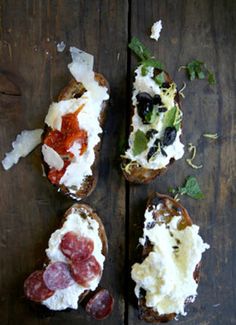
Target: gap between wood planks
[127, 185]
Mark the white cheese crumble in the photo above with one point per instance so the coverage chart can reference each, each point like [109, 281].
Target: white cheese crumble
[88, 227]
[61, 46]
[176, 149]
[25, 142]
[90, 103]
[156, 30]
[166, 274]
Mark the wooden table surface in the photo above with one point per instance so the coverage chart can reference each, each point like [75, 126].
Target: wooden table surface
[31, 74]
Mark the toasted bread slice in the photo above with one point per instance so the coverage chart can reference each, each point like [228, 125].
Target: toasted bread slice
[135, 173]
[76, 89]
[172, 207]
[84, 211]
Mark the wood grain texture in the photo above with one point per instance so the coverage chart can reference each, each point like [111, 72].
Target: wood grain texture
[32, 73]
[198, 30]
[31, 209]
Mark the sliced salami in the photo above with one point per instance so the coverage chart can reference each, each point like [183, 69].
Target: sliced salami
[72, 246]
[35, 289]
[100, 305]
[57, 276]
[85, 271]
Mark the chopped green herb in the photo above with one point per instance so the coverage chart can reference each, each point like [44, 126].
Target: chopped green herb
[211, 78]
[173, 118]
[151, 116]
[160, 78]
[144, 55]
[198, 70]
[190, 188]
[140, 142]
[139, 49]
[144, 70]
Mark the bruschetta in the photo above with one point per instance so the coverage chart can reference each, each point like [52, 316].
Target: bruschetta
[167, 277]
[75, 258]
[155, 138]
[74, 123]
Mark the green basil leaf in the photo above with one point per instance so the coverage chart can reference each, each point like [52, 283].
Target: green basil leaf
[144, 70]
[160, 78]
[173, 118]
[140, 142]
[197, 69]
[139, 49]
[192, 189]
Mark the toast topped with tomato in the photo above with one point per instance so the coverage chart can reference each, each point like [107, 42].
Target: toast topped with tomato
[71, 141]
[167, 277]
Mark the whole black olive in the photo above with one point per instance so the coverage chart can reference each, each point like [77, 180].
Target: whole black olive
[144, 97]
[150, 133]
[169, 136]
[157, 100]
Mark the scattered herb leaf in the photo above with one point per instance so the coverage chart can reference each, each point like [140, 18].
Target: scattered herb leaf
[160, 78]
[140, 142]
[190, 188]
[198, 70]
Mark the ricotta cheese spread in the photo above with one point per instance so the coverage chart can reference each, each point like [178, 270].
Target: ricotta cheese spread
[87, 227]
[145, 83]
[166, 274]
[90, 105]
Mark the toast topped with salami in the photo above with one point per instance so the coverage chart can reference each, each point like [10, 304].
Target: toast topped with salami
[75, 257]
[71, 140]
[169, 272]
[156, 128]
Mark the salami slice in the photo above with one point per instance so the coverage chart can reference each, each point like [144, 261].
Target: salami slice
[85, 271]
[72, 246]
[100, 305]
[35, 289]
[57, 276]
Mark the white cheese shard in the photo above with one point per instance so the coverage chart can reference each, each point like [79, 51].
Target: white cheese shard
[156, 30]
[166, 274]
[25, 142]
[87, 227]
[61, 46]
[52, 158]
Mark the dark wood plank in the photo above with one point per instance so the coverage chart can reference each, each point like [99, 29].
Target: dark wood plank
[30, 208]
[202, 30]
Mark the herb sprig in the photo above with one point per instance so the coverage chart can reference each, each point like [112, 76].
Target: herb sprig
[144, 55]
[198, 70]
[190, 188]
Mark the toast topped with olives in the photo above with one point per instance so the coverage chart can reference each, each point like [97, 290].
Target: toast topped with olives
[154, 140]
[168, 274]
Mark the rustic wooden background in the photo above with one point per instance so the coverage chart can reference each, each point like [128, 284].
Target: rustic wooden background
[31, 74]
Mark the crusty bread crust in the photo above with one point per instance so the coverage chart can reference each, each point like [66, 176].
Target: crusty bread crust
[147, 313]
[76, 89]
[141, 175]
